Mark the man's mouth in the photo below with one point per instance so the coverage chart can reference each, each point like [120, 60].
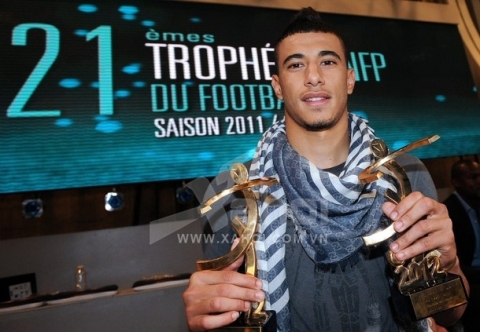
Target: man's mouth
[315, 97]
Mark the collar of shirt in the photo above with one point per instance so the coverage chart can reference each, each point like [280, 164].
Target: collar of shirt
[472, 215]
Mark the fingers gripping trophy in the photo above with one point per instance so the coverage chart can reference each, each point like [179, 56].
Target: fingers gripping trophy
[422, 289]
[257, 318]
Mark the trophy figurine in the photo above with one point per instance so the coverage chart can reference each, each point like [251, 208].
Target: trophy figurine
[257, 318]
[422, 288]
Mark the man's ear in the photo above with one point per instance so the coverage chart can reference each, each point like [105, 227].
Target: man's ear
[350, 80]
[454, 183]
[276, 87]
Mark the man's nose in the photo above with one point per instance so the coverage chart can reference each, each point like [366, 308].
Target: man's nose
[314, 76]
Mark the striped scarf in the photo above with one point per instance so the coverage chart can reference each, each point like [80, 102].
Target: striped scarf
[330, 212]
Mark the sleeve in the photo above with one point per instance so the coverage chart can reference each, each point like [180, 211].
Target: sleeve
[419, 177]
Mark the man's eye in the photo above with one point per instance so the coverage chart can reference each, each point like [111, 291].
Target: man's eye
[328, 62]
[295, 65]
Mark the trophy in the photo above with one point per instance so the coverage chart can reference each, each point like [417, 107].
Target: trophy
[422, 288]
[257, 319]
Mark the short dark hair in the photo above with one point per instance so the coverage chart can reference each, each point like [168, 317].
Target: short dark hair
[458, 168]
[309, 20]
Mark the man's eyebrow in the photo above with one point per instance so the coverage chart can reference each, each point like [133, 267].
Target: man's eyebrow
[320, 54]
[332, 53]
[293, 56]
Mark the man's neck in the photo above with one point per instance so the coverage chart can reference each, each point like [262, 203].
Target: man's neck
[472, 201]
[325, 149]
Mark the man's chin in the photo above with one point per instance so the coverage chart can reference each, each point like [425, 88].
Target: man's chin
[318, 126]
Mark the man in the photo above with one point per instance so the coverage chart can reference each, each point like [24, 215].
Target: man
[325, 281]
[464, 208]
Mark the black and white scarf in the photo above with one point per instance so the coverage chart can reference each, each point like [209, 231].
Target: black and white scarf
[331, 213]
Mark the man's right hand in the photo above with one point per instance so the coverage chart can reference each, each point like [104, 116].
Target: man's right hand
[215, 298]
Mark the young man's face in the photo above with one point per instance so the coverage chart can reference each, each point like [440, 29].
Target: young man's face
[313, 80]
[469, 183]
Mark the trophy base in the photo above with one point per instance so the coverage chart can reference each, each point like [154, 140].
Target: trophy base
[448, 294]
[268, 325]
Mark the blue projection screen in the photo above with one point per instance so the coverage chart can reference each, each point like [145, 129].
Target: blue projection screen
[105, 93]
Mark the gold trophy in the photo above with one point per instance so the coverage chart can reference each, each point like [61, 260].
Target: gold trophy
[424, 289]
[257, 319]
